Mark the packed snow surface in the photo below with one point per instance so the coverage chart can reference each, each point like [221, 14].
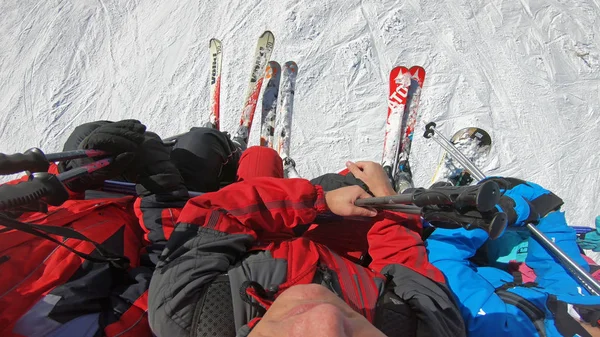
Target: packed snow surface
[527, 71]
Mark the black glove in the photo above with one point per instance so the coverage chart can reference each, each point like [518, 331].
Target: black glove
[156, 173]
[80, 132]
[120, 139]
[332, 181]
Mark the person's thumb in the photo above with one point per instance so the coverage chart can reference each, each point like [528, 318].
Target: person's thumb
[354, 169]
[362, 194]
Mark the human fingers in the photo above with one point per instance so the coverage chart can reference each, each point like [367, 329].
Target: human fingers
[355, 169]
[341, 202]
[363, 211]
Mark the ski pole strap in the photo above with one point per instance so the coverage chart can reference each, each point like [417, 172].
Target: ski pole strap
[44, 232]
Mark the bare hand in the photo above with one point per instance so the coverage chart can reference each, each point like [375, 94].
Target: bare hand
[341, 201]
[374, 176]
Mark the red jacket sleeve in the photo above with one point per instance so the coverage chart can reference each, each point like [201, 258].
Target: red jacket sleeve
[395, 238]
[257, 205]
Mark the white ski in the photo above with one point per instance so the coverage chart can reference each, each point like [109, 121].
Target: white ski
[269, 104]
[283, 126]
[264, 47]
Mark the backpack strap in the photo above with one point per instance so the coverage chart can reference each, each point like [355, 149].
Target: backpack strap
[535, 314]
[517, 282]
[44, 232]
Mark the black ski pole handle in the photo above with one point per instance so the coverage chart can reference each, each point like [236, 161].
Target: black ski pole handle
[429, 130]
[42, 185]
[494, 224]
[32, 160]
[482, 197]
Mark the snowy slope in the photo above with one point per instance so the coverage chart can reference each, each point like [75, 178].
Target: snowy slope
[527, 71]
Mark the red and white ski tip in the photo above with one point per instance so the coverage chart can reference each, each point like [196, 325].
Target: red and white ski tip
[399, 85]
[417, 73]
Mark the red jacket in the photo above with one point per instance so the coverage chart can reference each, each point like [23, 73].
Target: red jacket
[239, 242]
[46, 288]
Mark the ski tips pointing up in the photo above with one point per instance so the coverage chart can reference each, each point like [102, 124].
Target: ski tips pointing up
[264, 47]
[267, 33]
[272, 69]
[418, 73]
[401, 76]
[291, 65]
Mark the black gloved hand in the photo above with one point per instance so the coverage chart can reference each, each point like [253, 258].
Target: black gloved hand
[120, 139]
[156, 173]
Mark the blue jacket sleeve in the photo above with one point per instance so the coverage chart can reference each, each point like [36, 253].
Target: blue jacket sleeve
[484, 313]
[551, 275]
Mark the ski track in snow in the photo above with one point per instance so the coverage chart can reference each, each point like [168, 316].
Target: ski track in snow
[527, 71]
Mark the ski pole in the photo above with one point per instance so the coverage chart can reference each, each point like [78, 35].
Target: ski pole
[464, 205]
[289, 168]
[83, 170]
[431, 133]
[483, 197]
[408, 209]
[46, 186]
[34, 160]
[584, 278]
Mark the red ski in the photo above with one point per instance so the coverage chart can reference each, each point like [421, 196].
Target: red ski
[402, 176]
[399, 86]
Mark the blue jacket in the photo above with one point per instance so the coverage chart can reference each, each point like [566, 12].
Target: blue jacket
[491, 304]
